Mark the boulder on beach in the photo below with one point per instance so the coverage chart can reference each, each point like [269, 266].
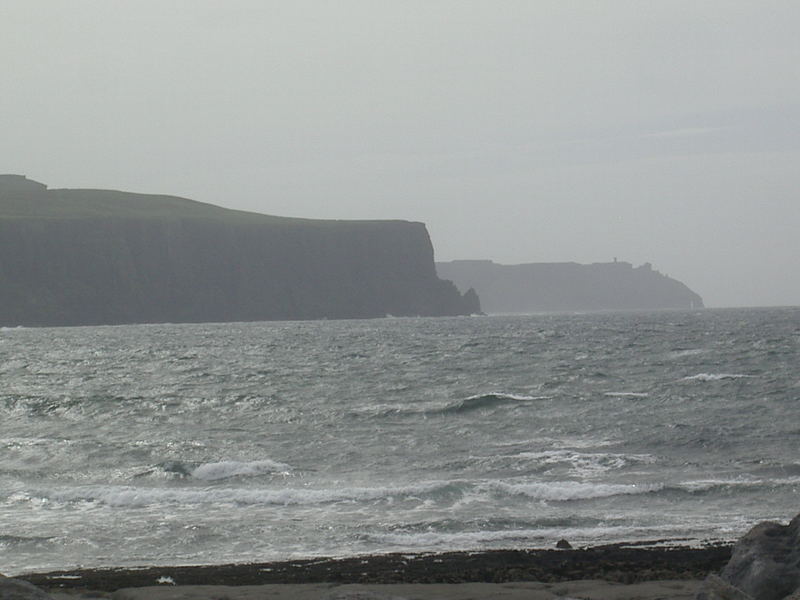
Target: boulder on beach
[765, 565]
[15, 589]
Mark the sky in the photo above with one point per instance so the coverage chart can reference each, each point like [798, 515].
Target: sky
[518, 131]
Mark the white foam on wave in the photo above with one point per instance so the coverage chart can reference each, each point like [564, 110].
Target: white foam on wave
[510, 537]
[385, 410]
[505, 396]
[587, 464]
[705, 485]
[464, 539]
[627, 394]
[135, 497]
[232, 468]
[488, 400]
[122, 496]
[15, 364]
[559, 442]
[689, 352]
[559, 491]
[715, 376]
[464, 404]
[16, 442]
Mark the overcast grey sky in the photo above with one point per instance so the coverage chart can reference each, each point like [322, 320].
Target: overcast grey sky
[520, 131]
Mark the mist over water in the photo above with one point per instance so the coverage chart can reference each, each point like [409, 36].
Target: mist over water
[211, 443]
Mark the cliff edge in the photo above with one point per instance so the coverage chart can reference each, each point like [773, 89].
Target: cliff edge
[545, 287]
[88, 257]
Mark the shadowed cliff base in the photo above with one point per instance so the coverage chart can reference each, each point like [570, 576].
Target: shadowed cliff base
[546, 287]
[92, 257]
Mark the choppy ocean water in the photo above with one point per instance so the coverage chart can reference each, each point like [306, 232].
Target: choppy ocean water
[213, 443]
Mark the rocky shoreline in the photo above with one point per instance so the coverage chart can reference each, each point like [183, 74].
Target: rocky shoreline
[621, 563]
[763, 565]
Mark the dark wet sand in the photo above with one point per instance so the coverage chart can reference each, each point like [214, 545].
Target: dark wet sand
[605, 572]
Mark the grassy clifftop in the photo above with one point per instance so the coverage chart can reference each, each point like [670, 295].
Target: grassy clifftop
[42, 203]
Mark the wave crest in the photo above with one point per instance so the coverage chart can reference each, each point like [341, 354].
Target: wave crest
[137, 497]
[715, 376]
[232, 468]
[463, 405]
[574, 490]
[486, 401]
[585, 464]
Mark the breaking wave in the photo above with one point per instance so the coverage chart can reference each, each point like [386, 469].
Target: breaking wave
[461, 406]
[129, 496]
[715, 376]
[214, 471]
[574, 490]
[675, 354]
[486, 401]
[231, 468]
[724, 485]
[510, 538]
[436, 492]
[585, 464]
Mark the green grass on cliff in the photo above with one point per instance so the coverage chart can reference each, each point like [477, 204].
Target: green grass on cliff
[108, 204]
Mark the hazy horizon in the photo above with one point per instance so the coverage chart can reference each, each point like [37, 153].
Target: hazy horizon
[548, 131]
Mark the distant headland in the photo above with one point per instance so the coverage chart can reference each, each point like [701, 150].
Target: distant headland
[91, 257]
[545, 287]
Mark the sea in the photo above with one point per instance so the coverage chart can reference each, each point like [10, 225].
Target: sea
[250, 442]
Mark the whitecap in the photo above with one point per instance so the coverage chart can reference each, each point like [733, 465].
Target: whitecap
[510, 537]
[626, 394]
[587, 464]
[232, 468]
[15, 442]
[489, 400]
[707, 485]
[573, 490]
[715, 376]
[129, 496]
[463, 405]
[690, 352]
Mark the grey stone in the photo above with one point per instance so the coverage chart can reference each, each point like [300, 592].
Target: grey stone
[715, 588]
[16, 589]
[765, 565]
[766, 561]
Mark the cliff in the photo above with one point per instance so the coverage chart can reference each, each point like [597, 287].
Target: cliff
[542, 287]
[83, 257]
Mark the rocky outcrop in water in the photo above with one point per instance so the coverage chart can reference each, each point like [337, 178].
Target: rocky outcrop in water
[765, 565]
[86, 257]
[543, 287]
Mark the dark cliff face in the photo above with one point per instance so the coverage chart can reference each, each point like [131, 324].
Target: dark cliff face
[80, 257]
[542, 287]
